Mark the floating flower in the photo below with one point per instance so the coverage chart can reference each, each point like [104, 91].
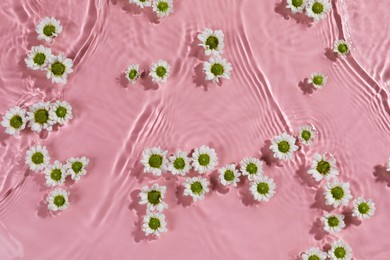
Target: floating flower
[38, 117]
[76, 167]
[154, 161]
[314, 254]
[55, 174]
[251, 167]
[153, 197]
[154, 223]
[38, 57]
[204, 159]
[337, 193]
[132, 73]
[229, 175]
[179, 163]
[58, 199]
[141, 3]
[363, 208]
[333, 223]
[263, 188]
[48, 28]
[318, 9]
[341, 47]
[60, 112]
[212, 41]
[318, 80]
[340, 251]
[196, 187]
[58, 68]
[14, 120]
[159, 72]
[306, 134]
[216, 68]
[37, 158]
[284, 146]
[323, 167]
[162, 7]
[296, 6]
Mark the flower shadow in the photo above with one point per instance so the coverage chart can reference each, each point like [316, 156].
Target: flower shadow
[267, 155]
[287, 14]
[306, 87]
[196, 50]
[320, 201]
[330, 54]
[148, 83]
[306, 178]
[183, 200]
[381, 174]
[246, 195]
[317, 229]
[349, 219]
[216, 185]
[199, 77]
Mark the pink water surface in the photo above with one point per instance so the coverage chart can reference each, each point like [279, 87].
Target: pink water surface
[272, 52]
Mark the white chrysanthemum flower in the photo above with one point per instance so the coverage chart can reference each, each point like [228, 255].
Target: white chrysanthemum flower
[229, 175]
[14, 120]
[318, 9]
[296, 6]
[341, 47]
[263, 188]
[179, 163]
[204, 159]
[314, 253]
[251, 167]
[58, 68]
[60, 112]
[132, 73]
[58, 199]
[306, 134]
[163, 7]
[323, 167]
[340, 251]
[55, 174]
[284, 146]
[318, 80]
[333, 223]
[48, 28]
[196, 187]
[153, 197]
[363, 208]
[141, 3]
[38, 57]
[337, 193]
[159, 72]
[216, 68]
[75, 167]
[212, 41]
[388, 165]
[38, 117]
[37, 158]
[155, 161]
[154, 223]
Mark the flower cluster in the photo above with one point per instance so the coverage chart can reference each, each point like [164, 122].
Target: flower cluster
[316, 9]
[162, 8]
[159, 72]
[40, 116]
[339, 250]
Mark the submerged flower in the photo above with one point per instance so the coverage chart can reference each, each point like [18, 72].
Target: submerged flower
[153, 197]
[216, 68]
[58, 68]
[159, 72]
[179, 163]
[314, 253]
[60, 112]
[55, 174]
[204, 159]
[318, 80]
[155, 160]
[48, 28]
[251, 167]
[229, 175]
[263, 188]
[337, 193]
[196, 187]
[333, 223]
[212, 41]
[323, 167]
[318, 9]
[76, 167]
[340, 251]
[163, 7]
[142, 3]
[38, 57]
[296, 6]
[306, 134]
[132, 73]
[58, 199]
[363, 208]
[341, 47]
[38, 117]
[154, 223]
[14, 120]
[284, 146]
[37, 158]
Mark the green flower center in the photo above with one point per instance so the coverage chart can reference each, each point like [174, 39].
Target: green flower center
[154, 197]
[306, 135]
[133, 74]
[343, 48]
[179, 163]
[59, 200]
[323, 167]
[333, 221]
[57, 68]
[229, 175]
[317, 8]
[61, 112]
[154, 223]
[16, 121]
[39, 58]
[337, 193]
[363, 208]
[318, 80]
[37, 158]
[217, 69]
[161, 71]
[204, 159]
[77, 166]
[297, 3]
[196, 187]
[340, 252]
[41, 116]
[49, 30]
[162, 6]
[155, 161]
[313, 257]
[56, 174]
[251, 168]
[263, 188]
[283, 147]
[212, 42]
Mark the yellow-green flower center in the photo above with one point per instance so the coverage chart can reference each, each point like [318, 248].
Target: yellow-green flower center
[323, 167]
[49, 30]
[318, 80]
[317, 8]
[154, 223]
[297, 3]
[154, 197]
[333, 221]
[340, 252]
[306, 135]
[363, 208]
[58, 68]
[212, 42]
[162, 6]
[161, 71]
[61, 112]
[37, 158]
[343, 48]
[59, 200]
[155, 161]
[337, 192]
[251, 168]
[196, 187]
[77, 166]
[229, 175]
[41, 116]
[263, 188]
[314, 257]
[56, 174]
[39, 58]
[204, 159]
[133, 74]
[179, 164]
[16, 121]
[283, 146]
[217, 69]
